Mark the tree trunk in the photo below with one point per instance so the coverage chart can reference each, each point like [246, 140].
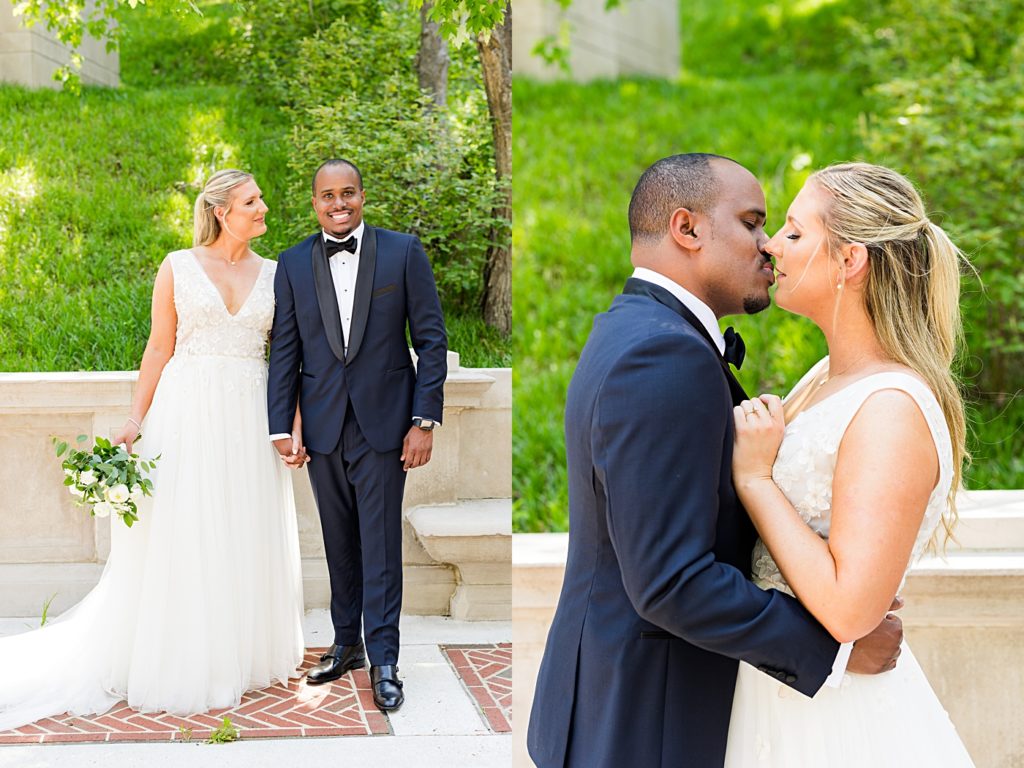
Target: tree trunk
[432, 59]
[496, 60]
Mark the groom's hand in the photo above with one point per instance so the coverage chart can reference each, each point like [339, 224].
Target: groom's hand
[878, 651]
[416, 448]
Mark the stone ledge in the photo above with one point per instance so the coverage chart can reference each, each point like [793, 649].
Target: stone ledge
[24, 587]
[475, 537]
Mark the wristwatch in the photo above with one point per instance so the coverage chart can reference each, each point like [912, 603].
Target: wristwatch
[424, 424]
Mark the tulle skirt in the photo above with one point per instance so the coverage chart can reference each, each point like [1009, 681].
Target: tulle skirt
[891, 720]
[201, 600]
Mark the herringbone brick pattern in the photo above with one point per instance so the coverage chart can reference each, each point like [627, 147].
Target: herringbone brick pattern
[341, 708]
[486, 671]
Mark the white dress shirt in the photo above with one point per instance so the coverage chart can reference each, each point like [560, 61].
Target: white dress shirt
[344, 266]
[707, 318]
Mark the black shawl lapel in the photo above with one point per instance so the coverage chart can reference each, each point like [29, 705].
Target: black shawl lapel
[638, 287]
[327, 298]
[364, 291]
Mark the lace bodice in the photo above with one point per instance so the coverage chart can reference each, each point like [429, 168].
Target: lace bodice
[205, 327]
[807, 460]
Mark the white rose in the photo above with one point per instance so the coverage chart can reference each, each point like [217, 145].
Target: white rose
[117, 494]
[136, 493]
[88, 477]
[69, 473]
[75, 491]
[102, 508]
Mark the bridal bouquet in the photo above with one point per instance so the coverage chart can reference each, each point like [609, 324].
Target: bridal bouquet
[107, 479]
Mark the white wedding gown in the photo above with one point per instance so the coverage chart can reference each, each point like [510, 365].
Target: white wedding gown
[891, 720]
[201, 599]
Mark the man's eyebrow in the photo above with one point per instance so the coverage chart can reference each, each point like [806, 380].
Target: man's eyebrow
[757, 212]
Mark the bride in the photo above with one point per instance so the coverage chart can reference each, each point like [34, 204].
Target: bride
[848, 482]
[201, 600]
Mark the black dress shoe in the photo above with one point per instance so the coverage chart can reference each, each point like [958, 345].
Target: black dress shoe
[338, 660]
[387, 688]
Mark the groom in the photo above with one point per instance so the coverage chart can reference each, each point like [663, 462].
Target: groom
[345, 296]
[656, 607]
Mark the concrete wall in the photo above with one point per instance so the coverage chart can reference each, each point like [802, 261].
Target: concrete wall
[31, 56]
[964, 620]
[641, 37]
[47, 545]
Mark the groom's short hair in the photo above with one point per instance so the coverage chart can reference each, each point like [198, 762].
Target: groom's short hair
[337, 161]
[678, 181]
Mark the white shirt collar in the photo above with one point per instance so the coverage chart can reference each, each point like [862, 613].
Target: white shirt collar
[701, 310]
[356, 233]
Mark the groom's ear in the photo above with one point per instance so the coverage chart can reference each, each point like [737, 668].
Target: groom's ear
[683, 229]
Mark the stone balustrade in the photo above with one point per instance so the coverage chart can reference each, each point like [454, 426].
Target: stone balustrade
[50, 547]
[964, 619]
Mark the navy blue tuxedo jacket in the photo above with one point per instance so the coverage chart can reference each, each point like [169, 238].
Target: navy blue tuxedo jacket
[375, 376]
[656, 606]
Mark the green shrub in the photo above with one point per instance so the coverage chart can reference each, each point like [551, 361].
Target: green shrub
[270, 31]
[427, 171]
[950, 95]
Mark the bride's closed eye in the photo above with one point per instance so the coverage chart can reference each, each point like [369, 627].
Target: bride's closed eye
[793, 236]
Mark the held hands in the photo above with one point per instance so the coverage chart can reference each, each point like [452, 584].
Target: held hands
[416, 448]
[878, 651]
[760, 425]
[292, 451]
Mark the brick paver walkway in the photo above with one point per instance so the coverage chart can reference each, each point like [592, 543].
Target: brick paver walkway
[486, 671]
[341, 708]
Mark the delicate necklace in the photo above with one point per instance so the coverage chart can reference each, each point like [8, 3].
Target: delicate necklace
[828, 373]
[233, 262]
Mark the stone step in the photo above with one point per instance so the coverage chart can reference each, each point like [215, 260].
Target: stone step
[475, 537]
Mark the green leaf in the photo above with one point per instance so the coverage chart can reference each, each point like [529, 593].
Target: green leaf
[61, 447]
[82, 438]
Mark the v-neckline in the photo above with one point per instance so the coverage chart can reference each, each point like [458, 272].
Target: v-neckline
[216, 290]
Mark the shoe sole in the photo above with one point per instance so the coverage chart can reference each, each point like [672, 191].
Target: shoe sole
[382, 708]
[354, 664]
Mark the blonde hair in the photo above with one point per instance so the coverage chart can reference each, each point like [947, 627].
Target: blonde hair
[912, 291]
[217, 192]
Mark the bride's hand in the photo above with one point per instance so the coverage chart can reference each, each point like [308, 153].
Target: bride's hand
[127, 435]
[298, 457]
[760, 425]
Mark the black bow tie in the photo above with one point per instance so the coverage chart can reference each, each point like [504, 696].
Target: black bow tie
[332, 247]
[735, 349]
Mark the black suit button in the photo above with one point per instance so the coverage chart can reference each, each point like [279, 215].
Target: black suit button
[790, 678]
